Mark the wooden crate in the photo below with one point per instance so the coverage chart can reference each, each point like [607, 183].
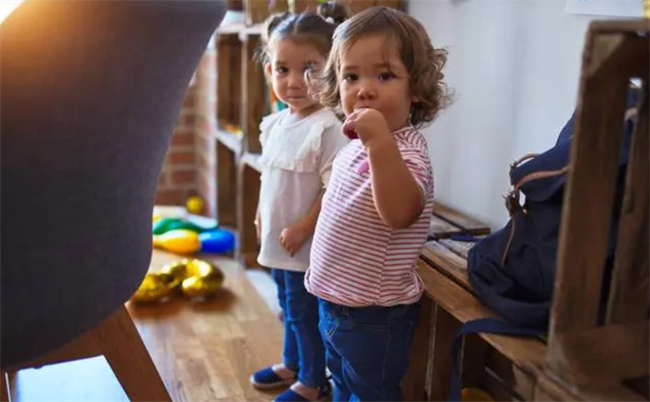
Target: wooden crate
[229, 67]
[255, 95]
[257, 11]
[354, 6]
[226, 185]
[248, 190]
[582, 354]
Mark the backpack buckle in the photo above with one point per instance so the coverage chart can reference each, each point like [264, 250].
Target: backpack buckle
[513, 205]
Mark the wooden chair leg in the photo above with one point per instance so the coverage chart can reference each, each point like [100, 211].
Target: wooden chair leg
[4, 387]
[125, 352]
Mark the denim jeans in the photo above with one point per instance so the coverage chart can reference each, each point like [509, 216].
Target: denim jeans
[303, 346]
[367, 349]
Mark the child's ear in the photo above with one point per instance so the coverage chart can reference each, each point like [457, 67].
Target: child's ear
[267, 69]
[415, 99]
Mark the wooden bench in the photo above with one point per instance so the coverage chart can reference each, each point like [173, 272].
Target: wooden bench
[509, 368]
[501, 365]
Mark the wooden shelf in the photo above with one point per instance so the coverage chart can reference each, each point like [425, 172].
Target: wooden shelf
[253, 30]
[229, 67]
[257, 11]
[231, 28]
[240, 29]
[354, 6]
[226, 186]
[248, 190]
[254, 100]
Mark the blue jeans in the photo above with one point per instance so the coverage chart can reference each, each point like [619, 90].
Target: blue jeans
[367, 349]
[303, 346]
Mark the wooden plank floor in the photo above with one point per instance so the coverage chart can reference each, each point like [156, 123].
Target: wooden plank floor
[204, 351]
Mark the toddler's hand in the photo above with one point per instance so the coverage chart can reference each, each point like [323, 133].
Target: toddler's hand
[366, 124]
[258, 226]
[293, 237]
[258, 230]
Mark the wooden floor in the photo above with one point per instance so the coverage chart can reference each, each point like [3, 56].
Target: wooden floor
[204, 351]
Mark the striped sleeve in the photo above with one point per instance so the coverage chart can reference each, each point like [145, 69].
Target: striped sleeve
[417, 161]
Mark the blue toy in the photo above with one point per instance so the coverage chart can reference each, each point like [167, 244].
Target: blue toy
[217, 241]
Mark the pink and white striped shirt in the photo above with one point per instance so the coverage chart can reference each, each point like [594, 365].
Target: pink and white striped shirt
[356, 259]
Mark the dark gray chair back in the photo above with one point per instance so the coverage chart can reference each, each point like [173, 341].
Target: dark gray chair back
[90, 93]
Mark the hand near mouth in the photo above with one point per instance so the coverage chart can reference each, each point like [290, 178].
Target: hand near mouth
[365, 124]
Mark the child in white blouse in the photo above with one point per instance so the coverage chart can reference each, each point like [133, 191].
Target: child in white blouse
[298, 146]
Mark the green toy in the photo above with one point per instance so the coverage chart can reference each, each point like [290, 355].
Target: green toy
[164, 225]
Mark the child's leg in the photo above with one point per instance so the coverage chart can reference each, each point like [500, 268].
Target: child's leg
[328, 323]
[301, 315]
[290, 351]
[374, 345]
[280, 375]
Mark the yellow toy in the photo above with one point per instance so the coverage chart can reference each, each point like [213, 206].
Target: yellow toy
[204, 279]
[179, 241]
[155, 286]
[195, 205]
[193, 277]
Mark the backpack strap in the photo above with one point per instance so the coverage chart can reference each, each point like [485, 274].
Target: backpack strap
[481, 325]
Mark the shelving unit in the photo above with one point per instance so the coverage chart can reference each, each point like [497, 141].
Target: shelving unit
[242, 100]
[241, 103]
[247, 197]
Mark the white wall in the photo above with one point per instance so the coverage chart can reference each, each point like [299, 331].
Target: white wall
[514, 66]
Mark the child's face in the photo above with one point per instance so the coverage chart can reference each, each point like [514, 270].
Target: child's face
[289, 61]
[372, 75]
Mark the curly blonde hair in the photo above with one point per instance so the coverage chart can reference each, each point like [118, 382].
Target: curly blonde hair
[423, 62]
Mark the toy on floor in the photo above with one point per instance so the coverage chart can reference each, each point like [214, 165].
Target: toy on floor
[203, 279]
[163, 225]
[179, 241]
[185, 241]
[192, 277]
[155, 286]
[217, 241]
[195, 205]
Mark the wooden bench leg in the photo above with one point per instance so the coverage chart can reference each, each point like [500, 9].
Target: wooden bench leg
[414, 384]
[473, 361]
[122, 346]
[444, 332]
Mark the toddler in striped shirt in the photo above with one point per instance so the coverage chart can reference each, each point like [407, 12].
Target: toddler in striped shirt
[386, 77]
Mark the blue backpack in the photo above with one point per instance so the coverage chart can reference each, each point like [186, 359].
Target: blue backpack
[513, 270]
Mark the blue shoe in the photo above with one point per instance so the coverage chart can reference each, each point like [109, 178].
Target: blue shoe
[324, 394]
[268, 379]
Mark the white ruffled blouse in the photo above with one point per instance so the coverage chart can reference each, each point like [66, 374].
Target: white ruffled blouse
[296, 161]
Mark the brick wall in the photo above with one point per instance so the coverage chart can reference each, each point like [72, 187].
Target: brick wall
[206, 125]
[189, 165]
